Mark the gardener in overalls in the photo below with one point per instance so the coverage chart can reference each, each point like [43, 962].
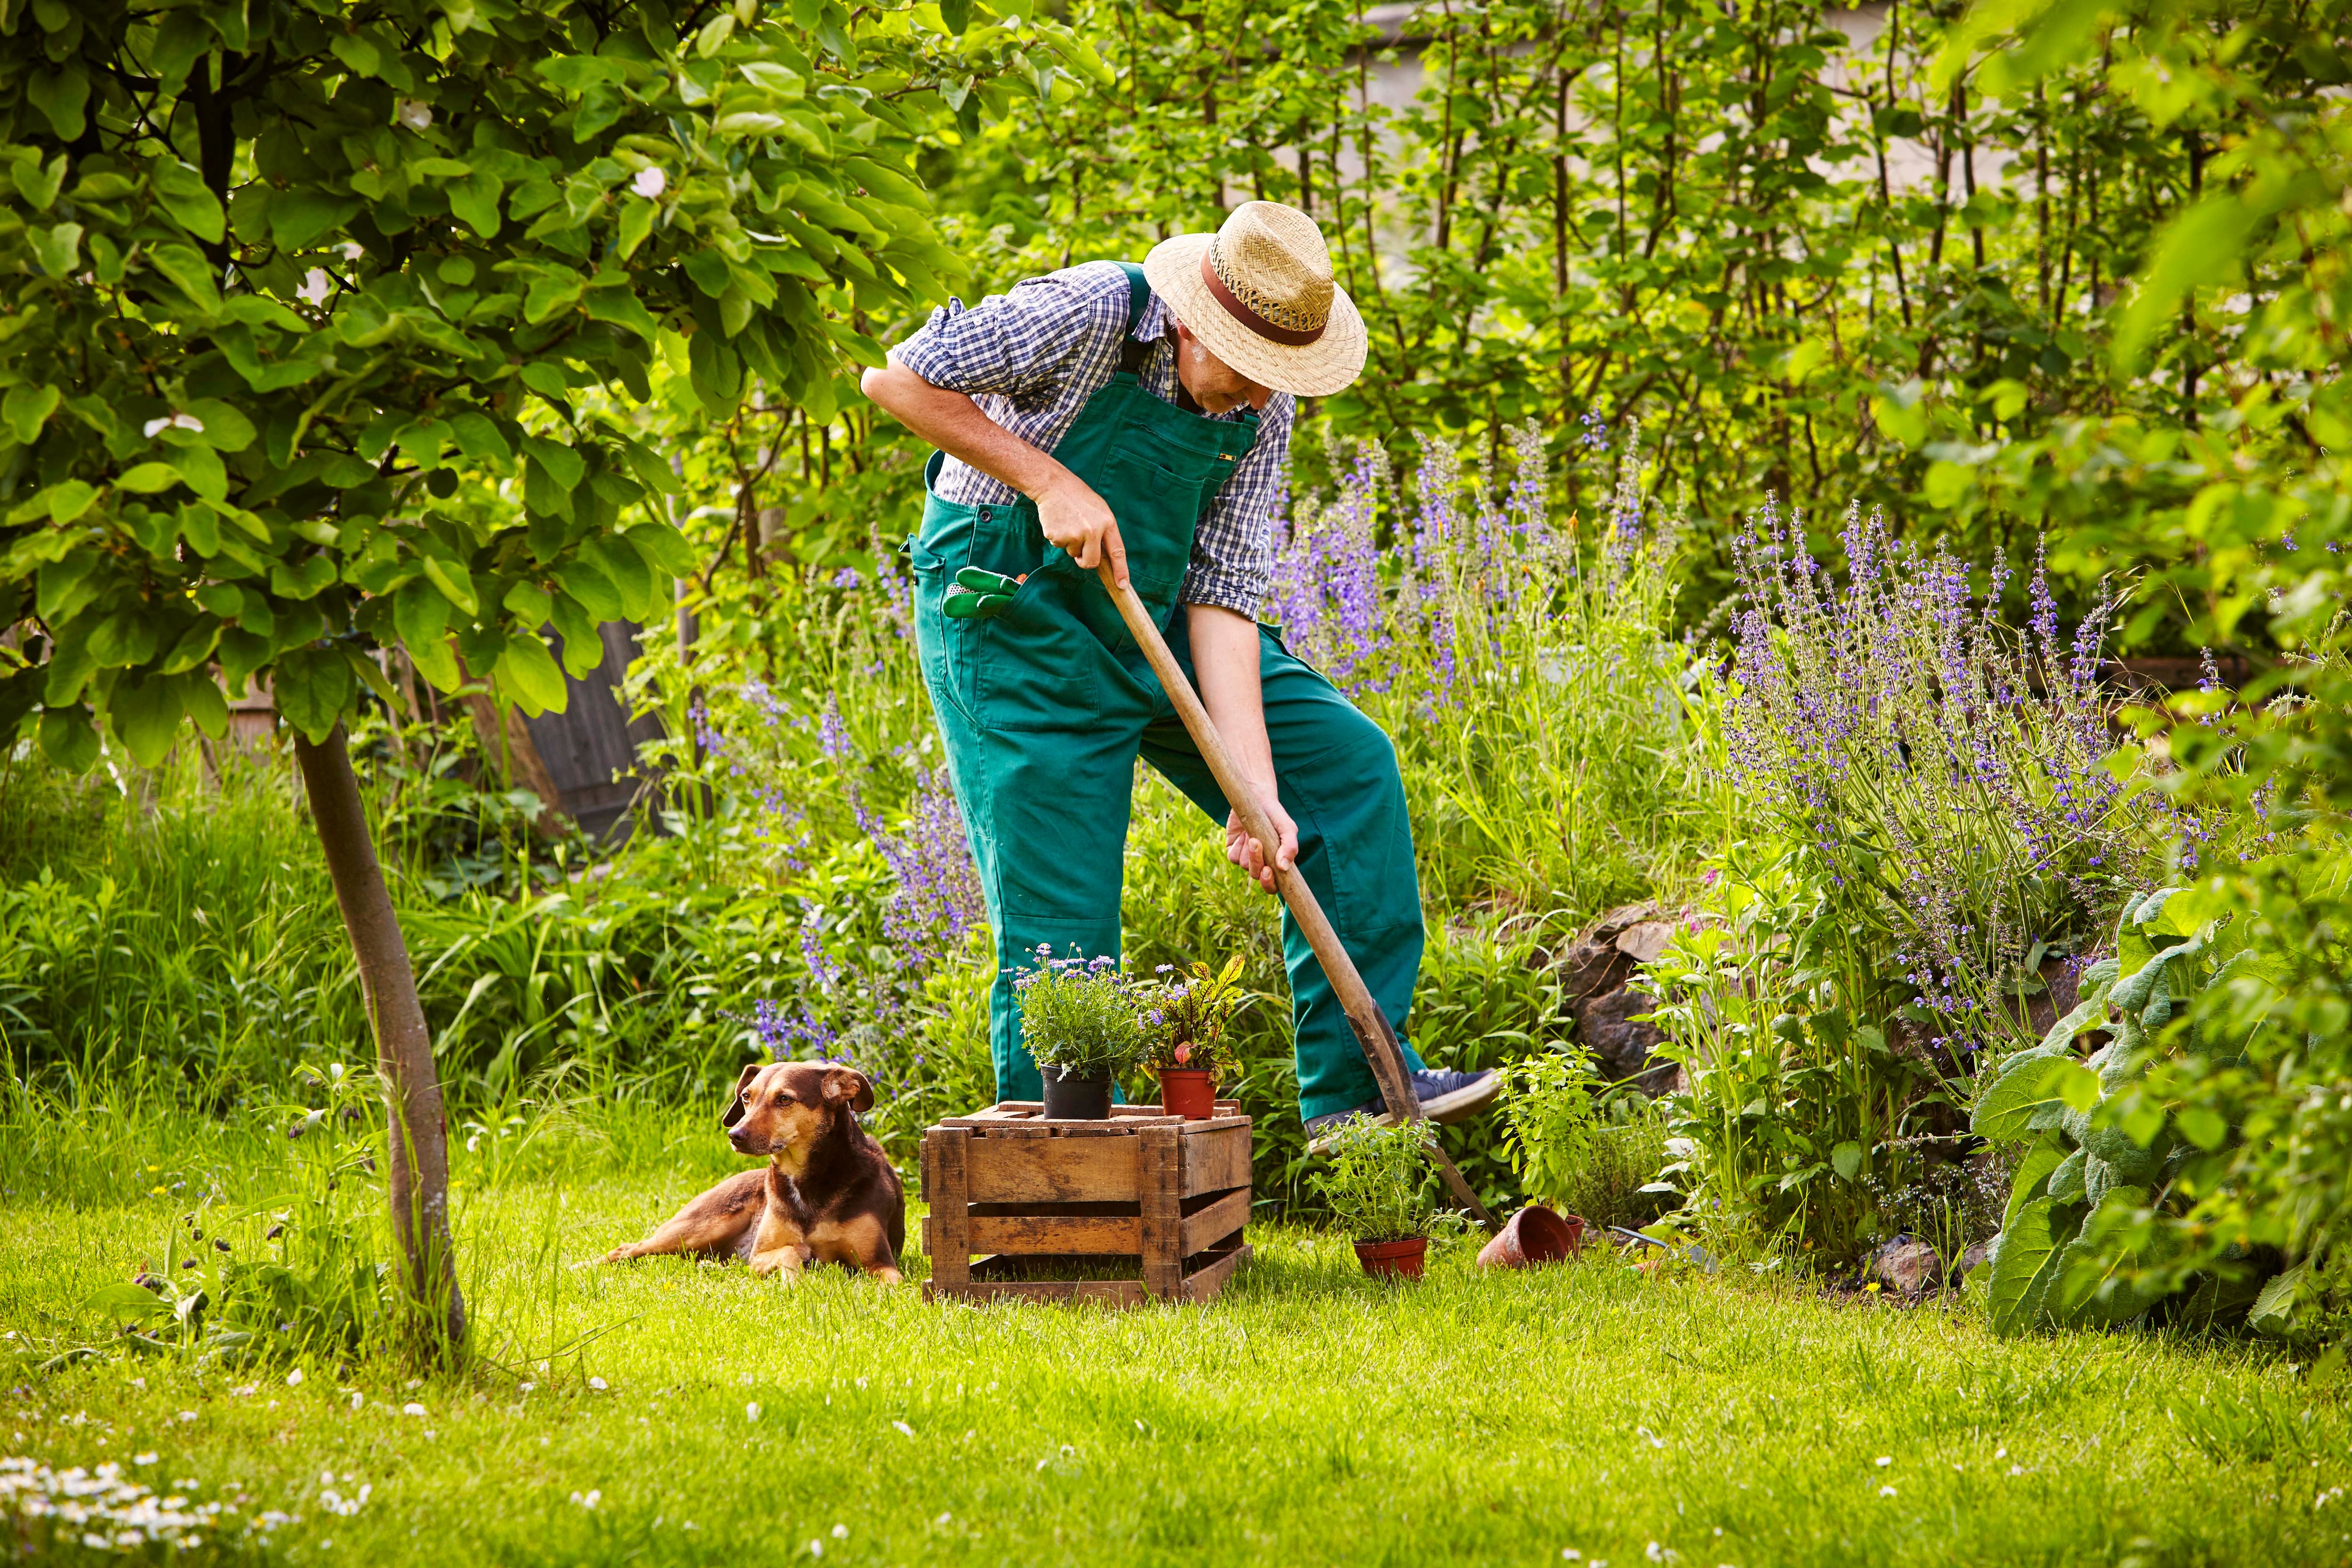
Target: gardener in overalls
[1142, 416]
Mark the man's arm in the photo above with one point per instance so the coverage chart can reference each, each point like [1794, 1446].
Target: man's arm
[1068, 511]
[1225, 661]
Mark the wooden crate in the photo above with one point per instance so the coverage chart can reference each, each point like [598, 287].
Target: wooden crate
[1021, 1206]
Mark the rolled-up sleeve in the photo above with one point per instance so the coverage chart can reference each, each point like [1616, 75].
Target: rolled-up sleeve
[1233, 549]
[1024, 344]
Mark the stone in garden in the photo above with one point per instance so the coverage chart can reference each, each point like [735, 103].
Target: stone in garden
[1644, 942]
[1621, 1047]
[1907, 1266]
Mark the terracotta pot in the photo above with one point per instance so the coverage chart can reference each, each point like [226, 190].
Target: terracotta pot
[1188, 1092]
[1535, 1234]
[1074, 1098]
[1393, 1260]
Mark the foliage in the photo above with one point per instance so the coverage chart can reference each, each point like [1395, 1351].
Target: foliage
[1186, 1016]
[1802, 1106]
[1381, 1181]
[1582, 1150]
[1080, 1016]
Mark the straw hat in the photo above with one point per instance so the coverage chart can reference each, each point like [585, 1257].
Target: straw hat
[1259, 293]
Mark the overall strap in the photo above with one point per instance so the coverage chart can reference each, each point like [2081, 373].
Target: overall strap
[1131, 354]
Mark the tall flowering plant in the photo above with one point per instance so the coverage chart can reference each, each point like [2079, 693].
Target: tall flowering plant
[1522, 661]
[1954, 784]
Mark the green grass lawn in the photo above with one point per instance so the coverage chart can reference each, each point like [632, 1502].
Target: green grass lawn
[1307, 1416]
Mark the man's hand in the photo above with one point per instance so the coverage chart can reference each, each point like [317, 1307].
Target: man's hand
[1080, 521]
[1250, 855]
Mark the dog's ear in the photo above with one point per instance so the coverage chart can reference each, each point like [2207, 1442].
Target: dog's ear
[734, 1112]
[849, 1084]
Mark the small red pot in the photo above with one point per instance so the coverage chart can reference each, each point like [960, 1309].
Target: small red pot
[1393, 1260]
[1188, 1092]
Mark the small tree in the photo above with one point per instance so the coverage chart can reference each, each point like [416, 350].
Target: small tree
[280, 273]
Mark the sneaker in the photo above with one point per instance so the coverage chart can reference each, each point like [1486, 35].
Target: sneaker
[1446, 1097]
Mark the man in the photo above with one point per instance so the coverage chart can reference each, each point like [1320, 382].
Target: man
[1142, 416]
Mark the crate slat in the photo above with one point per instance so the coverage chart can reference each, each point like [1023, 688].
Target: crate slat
[1028, 1234]
[1048, 1170]
[1221, 1220]
[1204, 1285]
[1217, 1156]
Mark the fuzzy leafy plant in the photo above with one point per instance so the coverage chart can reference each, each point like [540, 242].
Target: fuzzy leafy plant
[1381, 1183]
[1576, 1146]
[1079, 1016]
[1187, 1017]
[2086, 1238]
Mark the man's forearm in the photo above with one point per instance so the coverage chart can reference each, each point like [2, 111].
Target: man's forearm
[1225, 663]
[953, 423]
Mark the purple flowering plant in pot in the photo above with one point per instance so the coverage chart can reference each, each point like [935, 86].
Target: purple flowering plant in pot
[1082, 1020]
[1186, 1018]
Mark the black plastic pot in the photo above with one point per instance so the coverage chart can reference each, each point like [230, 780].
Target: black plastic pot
[1075, 1098]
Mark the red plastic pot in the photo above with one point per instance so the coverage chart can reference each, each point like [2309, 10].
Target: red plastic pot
[1188, 1092]
[1393, 1260]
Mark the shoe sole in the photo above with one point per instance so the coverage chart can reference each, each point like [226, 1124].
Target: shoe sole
[1447, 1109]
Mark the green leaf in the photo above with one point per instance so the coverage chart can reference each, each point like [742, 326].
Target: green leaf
[69, 500]
[552, 294]
[313, 687]
[1847, 1160]
[184, 193]
[620, 307]
[2004, 1111]
[145, 710]
[563, 463]
[479, 438]
[2022, 1265]
[39, 186]
[148, 478]
[66, 738]
[473, 201]
[304, 580]
[205, 702]
[2075, 1084]
[583, 649]
[2199, 246]
[626, 570]
[529, 604]
[2041, 1162]
[526, 671]
[61, 95]
[27, 408]
[58, 250]
[299, 217]
[591, 588]
[665, 548]
[456, 584]
[189, 272]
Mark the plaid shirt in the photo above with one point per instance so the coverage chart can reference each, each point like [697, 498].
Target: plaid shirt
[1033, 357]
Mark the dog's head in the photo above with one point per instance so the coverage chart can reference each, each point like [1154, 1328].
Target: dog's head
[781, 1108]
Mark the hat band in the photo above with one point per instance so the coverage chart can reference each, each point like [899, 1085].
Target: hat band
[1291, 337]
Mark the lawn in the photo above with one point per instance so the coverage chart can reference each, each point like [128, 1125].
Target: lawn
[1308, 1416]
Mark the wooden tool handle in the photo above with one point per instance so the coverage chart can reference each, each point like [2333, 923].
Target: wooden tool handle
[1373, 1033]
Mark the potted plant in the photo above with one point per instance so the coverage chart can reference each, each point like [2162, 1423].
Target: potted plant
[1080, 1021]
[1377, 1184]
[1184, 1022]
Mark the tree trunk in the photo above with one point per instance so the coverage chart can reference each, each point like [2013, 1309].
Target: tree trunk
[417, 1180]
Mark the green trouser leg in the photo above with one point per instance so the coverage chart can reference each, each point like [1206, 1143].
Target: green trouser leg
[1056, 807]
[1337, 775]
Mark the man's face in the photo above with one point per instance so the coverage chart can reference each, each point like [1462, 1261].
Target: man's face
[1214, 384]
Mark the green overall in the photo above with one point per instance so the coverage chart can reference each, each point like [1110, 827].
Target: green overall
[1045, 706]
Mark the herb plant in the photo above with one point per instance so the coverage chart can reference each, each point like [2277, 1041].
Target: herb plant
[1186, 1016]
[1079, 1014]
[1577, 1147]
[1381, 1181]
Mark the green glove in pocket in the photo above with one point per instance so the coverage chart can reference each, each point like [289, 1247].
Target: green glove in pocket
[980, 594]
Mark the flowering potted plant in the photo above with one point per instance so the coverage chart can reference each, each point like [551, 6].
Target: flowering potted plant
[1080, 1020]
[1184, 1021]
[1377, 1184]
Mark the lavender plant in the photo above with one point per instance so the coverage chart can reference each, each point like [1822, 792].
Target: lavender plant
[1523, 663]
[1954, 784]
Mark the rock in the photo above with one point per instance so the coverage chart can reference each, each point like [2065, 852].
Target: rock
[1907, 1266]
[1969, 1260]
[1621, 1047]
[1608, 928]
[1645, 940]
[1589, 968]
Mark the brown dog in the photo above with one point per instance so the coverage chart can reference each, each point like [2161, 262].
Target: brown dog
[828, 1194]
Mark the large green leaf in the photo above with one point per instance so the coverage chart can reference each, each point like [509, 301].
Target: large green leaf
[2024, 1262]
[527, 672]
[145, 712]
[2025, 1083]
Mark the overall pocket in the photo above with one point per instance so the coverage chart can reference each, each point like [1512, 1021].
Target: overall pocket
[1032, 666]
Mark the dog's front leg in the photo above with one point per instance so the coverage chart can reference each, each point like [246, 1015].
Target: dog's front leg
[780, 1249]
